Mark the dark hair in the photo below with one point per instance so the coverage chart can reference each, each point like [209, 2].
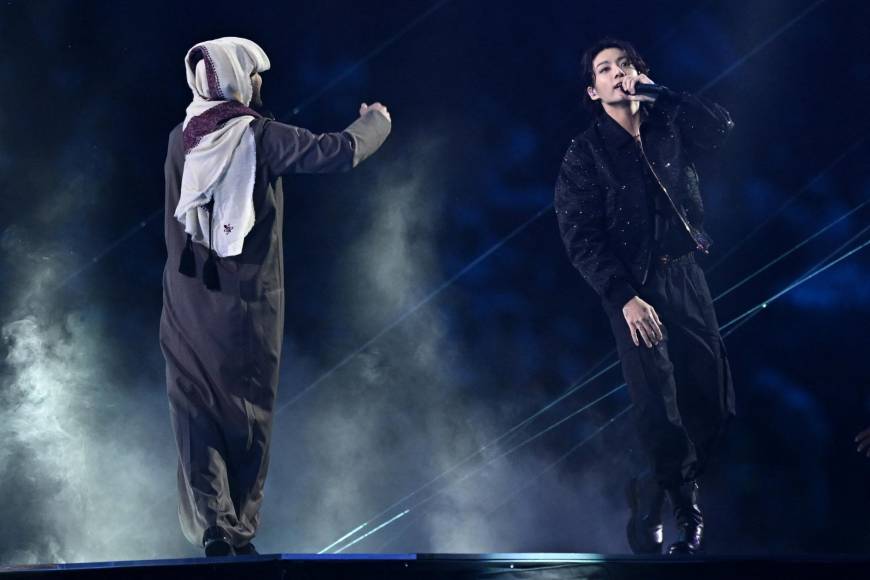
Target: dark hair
[588, 73]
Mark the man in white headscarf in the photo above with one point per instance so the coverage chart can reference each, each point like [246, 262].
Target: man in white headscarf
[223, 286]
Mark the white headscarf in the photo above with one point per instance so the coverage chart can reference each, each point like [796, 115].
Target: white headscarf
[220, 161]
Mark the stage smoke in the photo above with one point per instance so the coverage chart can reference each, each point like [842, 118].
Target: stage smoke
[84, 455]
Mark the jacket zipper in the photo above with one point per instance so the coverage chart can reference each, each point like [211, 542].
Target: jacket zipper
[667, 195]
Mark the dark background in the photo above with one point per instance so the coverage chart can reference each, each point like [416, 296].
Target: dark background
[485, 97]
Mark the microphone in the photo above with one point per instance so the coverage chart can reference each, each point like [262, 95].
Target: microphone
[650, 89]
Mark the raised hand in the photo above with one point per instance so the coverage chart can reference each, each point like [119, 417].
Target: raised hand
[364, 108]
[628, 87]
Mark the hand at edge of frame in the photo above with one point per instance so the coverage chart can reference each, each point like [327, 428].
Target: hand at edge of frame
[863, 441]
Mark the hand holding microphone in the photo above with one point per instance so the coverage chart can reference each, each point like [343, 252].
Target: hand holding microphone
[641, 88]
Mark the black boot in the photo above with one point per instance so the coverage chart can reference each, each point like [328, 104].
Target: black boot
[247, 550]
[217, 543]
[690, 520]
[644, 530]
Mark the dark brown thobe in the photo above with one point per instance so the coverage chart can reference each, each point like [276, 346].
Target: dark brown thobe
[223, 347]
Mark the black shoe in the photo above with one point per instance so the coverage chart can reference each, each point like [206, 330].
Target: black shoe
[217, 543]
[247, 550]
[645, 530]
[690, 520]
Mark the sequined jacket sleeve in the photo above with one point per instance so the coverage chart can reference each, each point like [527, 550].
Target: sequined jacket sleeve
[579, 204]
[703, 124]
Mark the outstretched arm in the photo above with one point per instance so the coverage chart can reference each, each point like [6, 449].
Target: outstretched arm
[289, 149]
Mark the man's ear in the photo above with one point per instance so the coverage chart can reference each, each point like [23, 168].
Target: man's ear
[593, 94]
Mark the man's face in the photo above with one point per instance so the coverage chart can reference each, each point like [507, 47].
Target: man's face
[256, 86]
[609, 67]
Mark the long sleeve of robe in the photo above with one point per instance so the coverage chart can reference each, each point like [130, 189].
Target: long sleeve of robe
[222, 348]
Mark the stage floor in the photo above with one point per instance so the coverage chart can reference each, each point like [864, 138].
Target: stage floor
[442, 566]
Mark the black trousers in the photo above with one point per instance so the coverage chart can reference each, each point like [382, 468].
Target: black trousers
[682, 388]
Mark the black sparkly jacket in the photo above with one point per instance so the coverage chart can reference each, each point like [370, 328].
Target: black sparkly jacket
[601, 202]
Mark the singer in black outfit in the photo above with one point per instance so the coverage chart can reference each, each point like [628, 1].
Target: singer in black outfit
[631, 217]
